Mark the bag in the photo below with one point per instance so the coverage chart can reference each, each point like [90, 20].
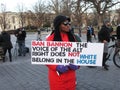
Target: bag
[27, 49]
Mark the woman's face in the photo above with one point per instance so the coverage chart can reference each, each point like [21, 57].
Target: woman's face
[65, 26]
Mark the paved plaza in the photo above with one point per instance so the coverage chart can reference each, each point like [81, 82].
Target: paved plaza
[20, 74]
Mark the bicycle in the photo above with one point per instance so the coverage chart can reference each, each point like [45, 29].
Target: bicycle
[116, 55]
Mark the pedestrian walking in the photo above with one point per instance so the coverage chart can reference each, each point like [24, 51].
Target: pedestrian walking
[104, 37]
[89, 34]
[62, 77]
[39, 35]
[6, 44]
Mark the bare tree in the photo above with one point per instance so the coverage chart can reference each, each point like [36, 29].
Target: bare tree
[75, 9]
[118, 19]
[101, 7]
[55, 6]
[38, 13]
[79, 9]
[21, 13]
[63, 7]
[29, 18]
[66, 7]
[3, 17]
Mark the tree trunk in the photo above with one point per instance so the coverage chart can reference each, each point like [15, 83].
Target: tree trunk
[100, 21]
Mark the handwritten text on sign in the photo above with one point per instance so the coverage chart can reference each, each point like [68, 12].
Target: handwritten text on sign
[63, 53]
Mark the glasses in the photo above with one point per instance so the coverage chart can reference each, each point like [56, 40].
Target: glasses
[66, 23]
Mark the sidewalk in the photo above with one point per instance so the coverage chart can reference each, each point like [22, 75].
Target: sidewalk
[21, 75]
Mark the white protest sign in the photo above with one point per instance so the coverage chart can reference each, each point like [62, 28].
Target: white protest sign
[64, 53]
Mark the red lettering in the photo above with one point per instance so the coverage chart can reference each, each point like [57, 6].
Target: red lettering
[37, 43]
[60, 44]
[74, 54]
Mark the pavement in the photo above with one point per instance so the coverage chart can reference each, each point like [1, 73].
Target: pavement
[20, 74]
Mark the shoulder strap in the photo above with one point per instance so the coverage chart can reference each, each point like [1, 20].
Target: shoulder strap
[77, 38]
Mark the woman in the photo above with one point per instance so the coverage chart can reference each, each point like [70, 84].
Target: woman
[62, 77]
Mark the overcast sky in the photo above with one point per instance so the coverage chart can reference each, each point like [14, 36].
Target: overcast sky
[12, 5]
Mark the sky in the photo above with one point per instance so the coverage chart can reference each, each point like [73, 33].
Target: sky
[12, 5]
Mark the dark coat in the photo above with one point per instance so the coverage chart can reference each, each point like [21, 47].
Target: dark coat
[118, 32]
[6, 40]
[104, 34]
[0, 40]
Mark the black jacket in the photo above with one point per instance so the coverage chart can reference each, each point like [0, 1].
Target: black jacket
[0, 40]
[118, 32]
[20, 34]
[6, 40]
[104, 34]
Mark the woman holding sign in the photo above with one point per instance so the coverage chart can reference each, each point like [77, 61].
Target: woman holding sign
[62, 77]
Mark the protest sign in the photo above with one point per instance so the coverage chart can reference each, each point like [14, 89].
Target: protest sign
[64, 53]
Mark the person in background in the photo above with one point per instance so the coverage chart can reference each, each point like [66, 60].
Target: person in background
[104, 37]
[93, 32]
[39, 35]
[62, 77]
[89, 34]
[21, 35]
[6, 44]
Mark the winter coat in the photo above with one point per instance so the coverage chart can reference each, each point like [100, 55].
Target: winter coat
[118, 32]
[65, 81]
[6, 40]
[104, 34]
[20, 34]
[0, 40]
[89, 31]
